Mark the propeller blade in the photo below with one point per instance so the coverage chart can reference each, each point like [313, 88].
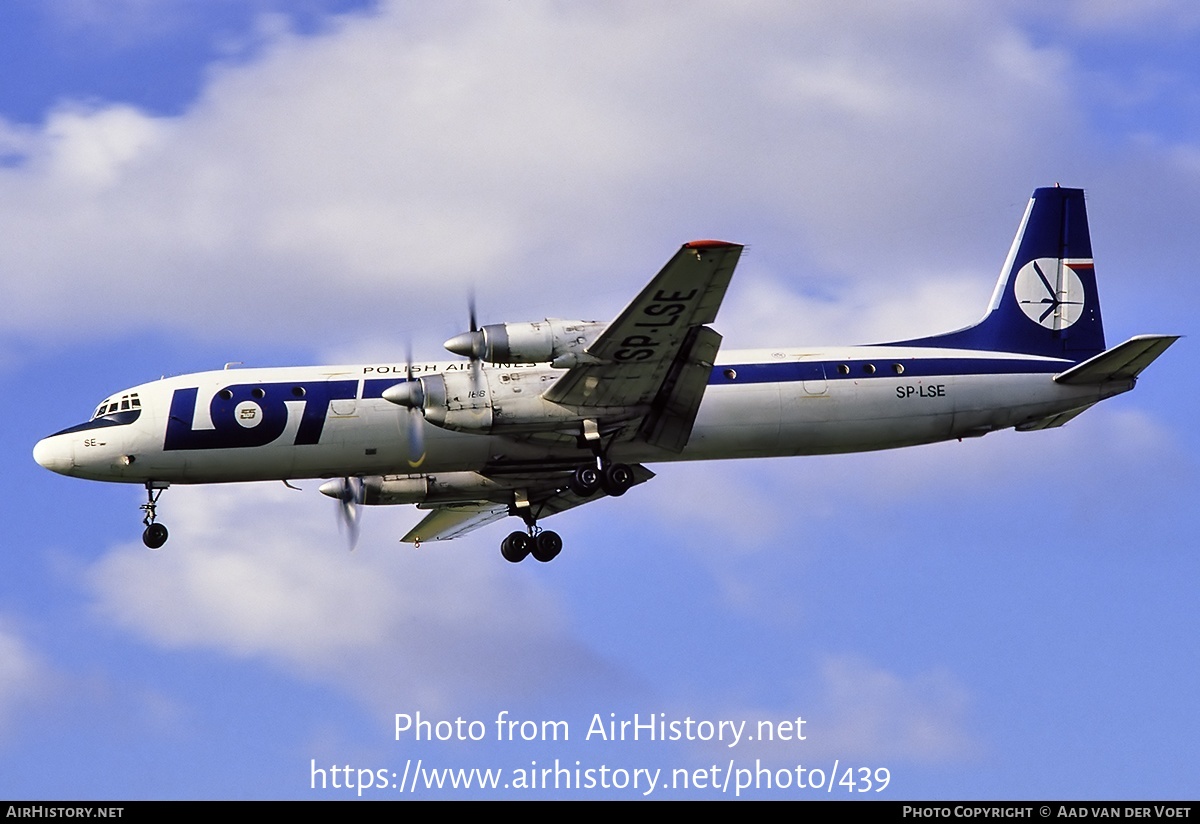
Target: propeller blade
[416, 438]
[416, 416]
[471, 345]
[477, 341]
[352, 492]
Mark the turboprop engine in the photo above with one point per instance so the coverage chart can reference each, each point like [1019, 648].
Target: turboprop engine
[495, 400]
[560, 343]
[458, 400]
[444, 487]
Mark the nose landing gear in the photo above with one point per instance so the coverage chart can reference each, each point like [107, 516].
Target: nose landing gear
[155, 534]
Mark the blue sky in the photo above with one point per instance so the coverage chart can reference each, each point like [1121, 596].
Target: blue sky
[280, 183]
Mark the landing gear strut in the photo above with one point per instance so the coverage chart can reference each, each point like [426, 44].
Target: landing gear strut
[155, 534]
[587, 479]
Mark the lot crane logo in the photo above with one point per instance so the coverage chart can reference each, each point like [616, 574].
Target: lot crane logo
[1050, 293]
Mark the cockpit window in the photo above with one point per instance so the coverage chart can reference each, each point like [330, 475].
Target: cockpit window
[110, 406]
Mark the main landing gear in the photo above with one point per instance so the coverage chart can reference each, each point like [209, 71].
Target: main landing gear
[614, 478]
[155, 534]
[544, 545]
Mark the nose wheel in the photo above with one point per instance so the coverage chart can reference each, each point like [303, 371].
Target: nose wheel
[155, 534]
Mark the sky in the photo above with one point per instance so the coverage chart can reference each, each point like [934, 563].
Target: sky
[184, 185]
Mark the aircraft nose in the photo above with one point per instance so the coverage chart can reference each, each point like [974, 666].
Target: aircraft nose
[55, 454]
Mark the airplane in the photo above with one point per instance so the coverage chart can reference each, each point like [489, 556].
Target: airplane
[548, 415]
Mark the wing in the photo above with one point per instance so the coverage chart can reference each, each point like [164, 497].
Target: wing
[452, 520]
[545, 493]
[654, 359]
[651, 364]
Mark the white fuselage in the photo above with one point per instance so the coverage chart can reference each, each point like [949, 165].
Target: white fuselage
[326, 422]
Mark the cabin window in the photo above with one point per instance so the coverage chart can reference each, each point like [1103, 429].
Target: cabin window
[898, 368]
[843, 369]
[869, 368]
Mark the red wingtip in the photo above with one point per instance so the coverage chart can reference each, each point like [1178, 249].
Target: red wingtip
[708, 244]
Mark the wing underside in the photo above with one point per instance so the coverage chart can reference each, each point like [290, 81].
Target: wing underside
[545, 494]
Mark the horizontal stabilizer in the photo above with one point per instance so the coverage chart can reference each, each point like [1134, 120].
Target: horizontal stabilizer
[1119, 363]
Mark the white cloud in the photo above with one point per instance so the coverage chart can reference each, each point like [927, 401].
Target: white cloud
[763, 311]
[376, 168]
[874, 713]
[23, 674]
[261, 572]
[87, 150]
[859, 713]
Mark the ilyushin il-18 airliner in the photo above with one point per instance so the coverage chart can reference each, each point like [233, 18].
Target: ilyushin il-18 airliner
[544, 416]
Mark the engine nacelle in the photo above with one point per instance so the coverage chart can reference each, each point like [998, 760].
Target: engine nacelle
[458, 400]
[495, 400]
[439, 488]
[561, 343]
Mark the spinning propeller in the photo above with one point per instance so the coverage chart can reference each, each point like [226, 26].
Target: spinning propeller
[416, 415]
[411, 395]
[472, 344]
[350, 493]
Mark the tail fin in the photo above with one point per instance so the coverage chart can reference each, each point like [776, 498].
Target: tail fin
[1046, 301]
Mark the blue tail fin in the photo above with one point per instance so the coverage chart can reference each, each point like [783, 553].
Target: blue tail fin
[1045, 302]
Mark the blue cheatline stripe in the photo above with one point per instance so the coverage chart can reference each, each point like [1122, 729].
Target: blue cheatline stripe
[791, 371]
[373, 387]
